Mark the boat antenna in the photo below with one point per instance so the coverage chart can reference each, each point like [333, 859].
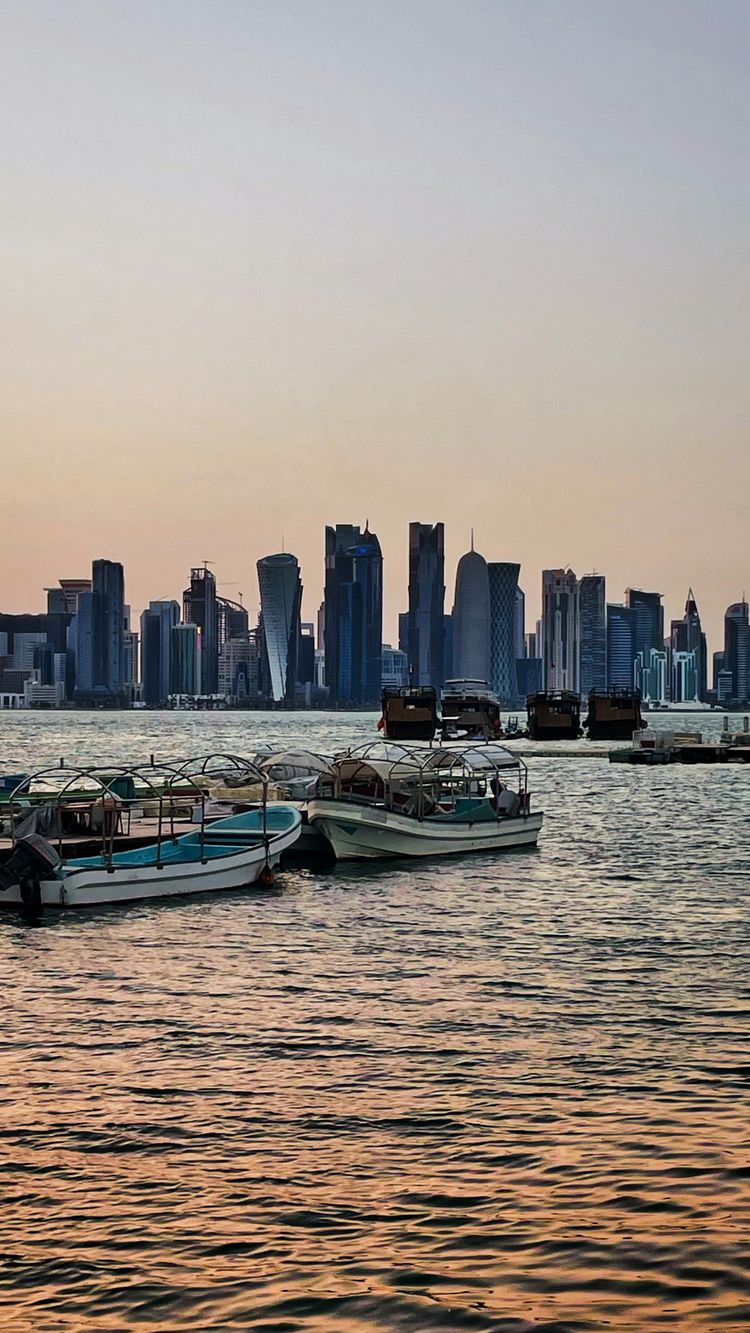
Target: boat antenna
[472, 539]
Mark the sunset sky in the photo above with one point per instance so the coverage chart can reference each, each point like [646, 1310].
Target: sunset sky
[271, 265]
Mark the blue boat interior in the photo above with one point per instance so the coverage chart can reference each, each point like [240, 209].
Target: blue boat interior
[225, 837]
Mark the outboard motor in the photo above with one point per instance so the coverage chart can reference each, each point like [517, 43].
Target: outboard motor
[31, 861]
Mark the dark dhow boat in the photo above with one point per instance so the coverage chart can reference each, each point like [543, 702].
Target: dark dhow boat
[409, 714]
[614, 714]
[554, 715]
[470, 711]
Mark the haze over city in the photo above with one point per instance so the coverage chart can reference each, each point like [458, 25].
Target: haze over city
[273, 266]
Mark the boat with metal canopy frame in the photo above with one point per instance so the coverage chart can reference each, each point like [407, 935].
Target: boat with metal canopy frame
[224, 854]
[394, 801]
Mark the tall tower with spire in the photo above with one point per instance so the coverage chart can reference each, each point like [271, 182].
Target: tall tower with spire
[471, 618]
[688, 655]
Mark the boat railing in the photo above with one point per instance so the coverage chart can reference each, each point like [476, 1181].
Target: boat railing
[422, 778]
[218, 764]
[105, 790]
[165, 784]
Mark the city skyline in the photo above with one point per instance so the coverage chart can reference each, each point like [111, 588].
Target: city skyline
[530, 582]
[509, 274]
[84, 650]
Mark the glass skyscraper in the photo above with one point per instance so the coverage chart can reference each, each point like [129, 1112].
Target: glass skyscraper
[649, 620]
[186, 659]
[471, 619]
[354, 616]
[621, 650]
[736, 656]
[504, 630]
[592, 633]
[157, 624]
[426, 604]
[560, 629]
[100, 637]
[281, 606]
[687, 637]
[199, 608]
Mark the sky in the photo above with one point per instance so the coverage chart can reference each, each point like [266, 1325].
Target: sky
[270, 265]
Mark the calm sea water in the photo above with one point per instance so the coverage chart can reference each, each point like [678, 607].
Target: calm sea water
[502, 1093]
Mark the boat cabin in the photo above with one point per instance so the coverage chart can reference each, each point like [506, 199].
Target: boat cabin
[409, 714]
[554, 715]
[470, 711]
[613, 714]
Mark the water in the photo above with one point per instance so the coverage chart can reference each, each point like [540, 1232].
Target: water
[504, 1094]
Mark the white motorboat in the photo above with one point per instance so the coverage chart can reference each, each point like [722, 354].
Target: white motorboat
[229, 853]
[393, 802]
[235, 852]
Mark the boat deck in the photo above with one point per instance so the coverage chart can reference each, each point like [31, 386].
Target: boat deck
[142, 832]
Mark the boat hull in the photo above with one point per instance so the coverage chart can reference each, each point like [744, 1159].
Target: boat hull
[95, 886]
[361, 832]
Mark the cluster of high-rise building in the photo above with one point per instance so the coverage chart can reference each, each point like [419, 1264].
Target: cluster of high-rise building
[84, 651]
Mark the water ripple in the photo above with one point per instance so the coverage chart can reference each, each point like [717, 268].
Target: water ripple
[509, 1095]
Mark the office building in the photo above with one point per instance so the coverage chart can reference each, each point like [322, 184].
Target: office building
[100, 632]
[621, 652]
[686, 636]
[736, 655]
[306, 661]
[354, 616]
[592, 633]
[186, 660]
[650, 675]
[529, 674]
[649, 620]
[232, 621]
[63, 600]
[157, 623]
[471, 619]
[502, 579]
[395, 667]
[199, 608]
[239, 669]
[426, 604]
[448, 646]
[280, 606]
[684, 676]
[560, 629]
[519, 647]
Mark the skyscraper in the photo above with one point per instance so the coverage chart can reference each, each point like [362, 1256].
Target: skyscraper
[426, 603]
[649, 620]
[186, 659]
[503, 590]
[737, 650]
[650, 675]
[560, 629]
[239, 668]
[231, 620]
[157, 623]
[199, 608]
[520, 624]
[354, 616]
[687, 637]
[621, 638]
[592, 633]
[100, 629]
[280, 604]
[471, 619]
[64, 599]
